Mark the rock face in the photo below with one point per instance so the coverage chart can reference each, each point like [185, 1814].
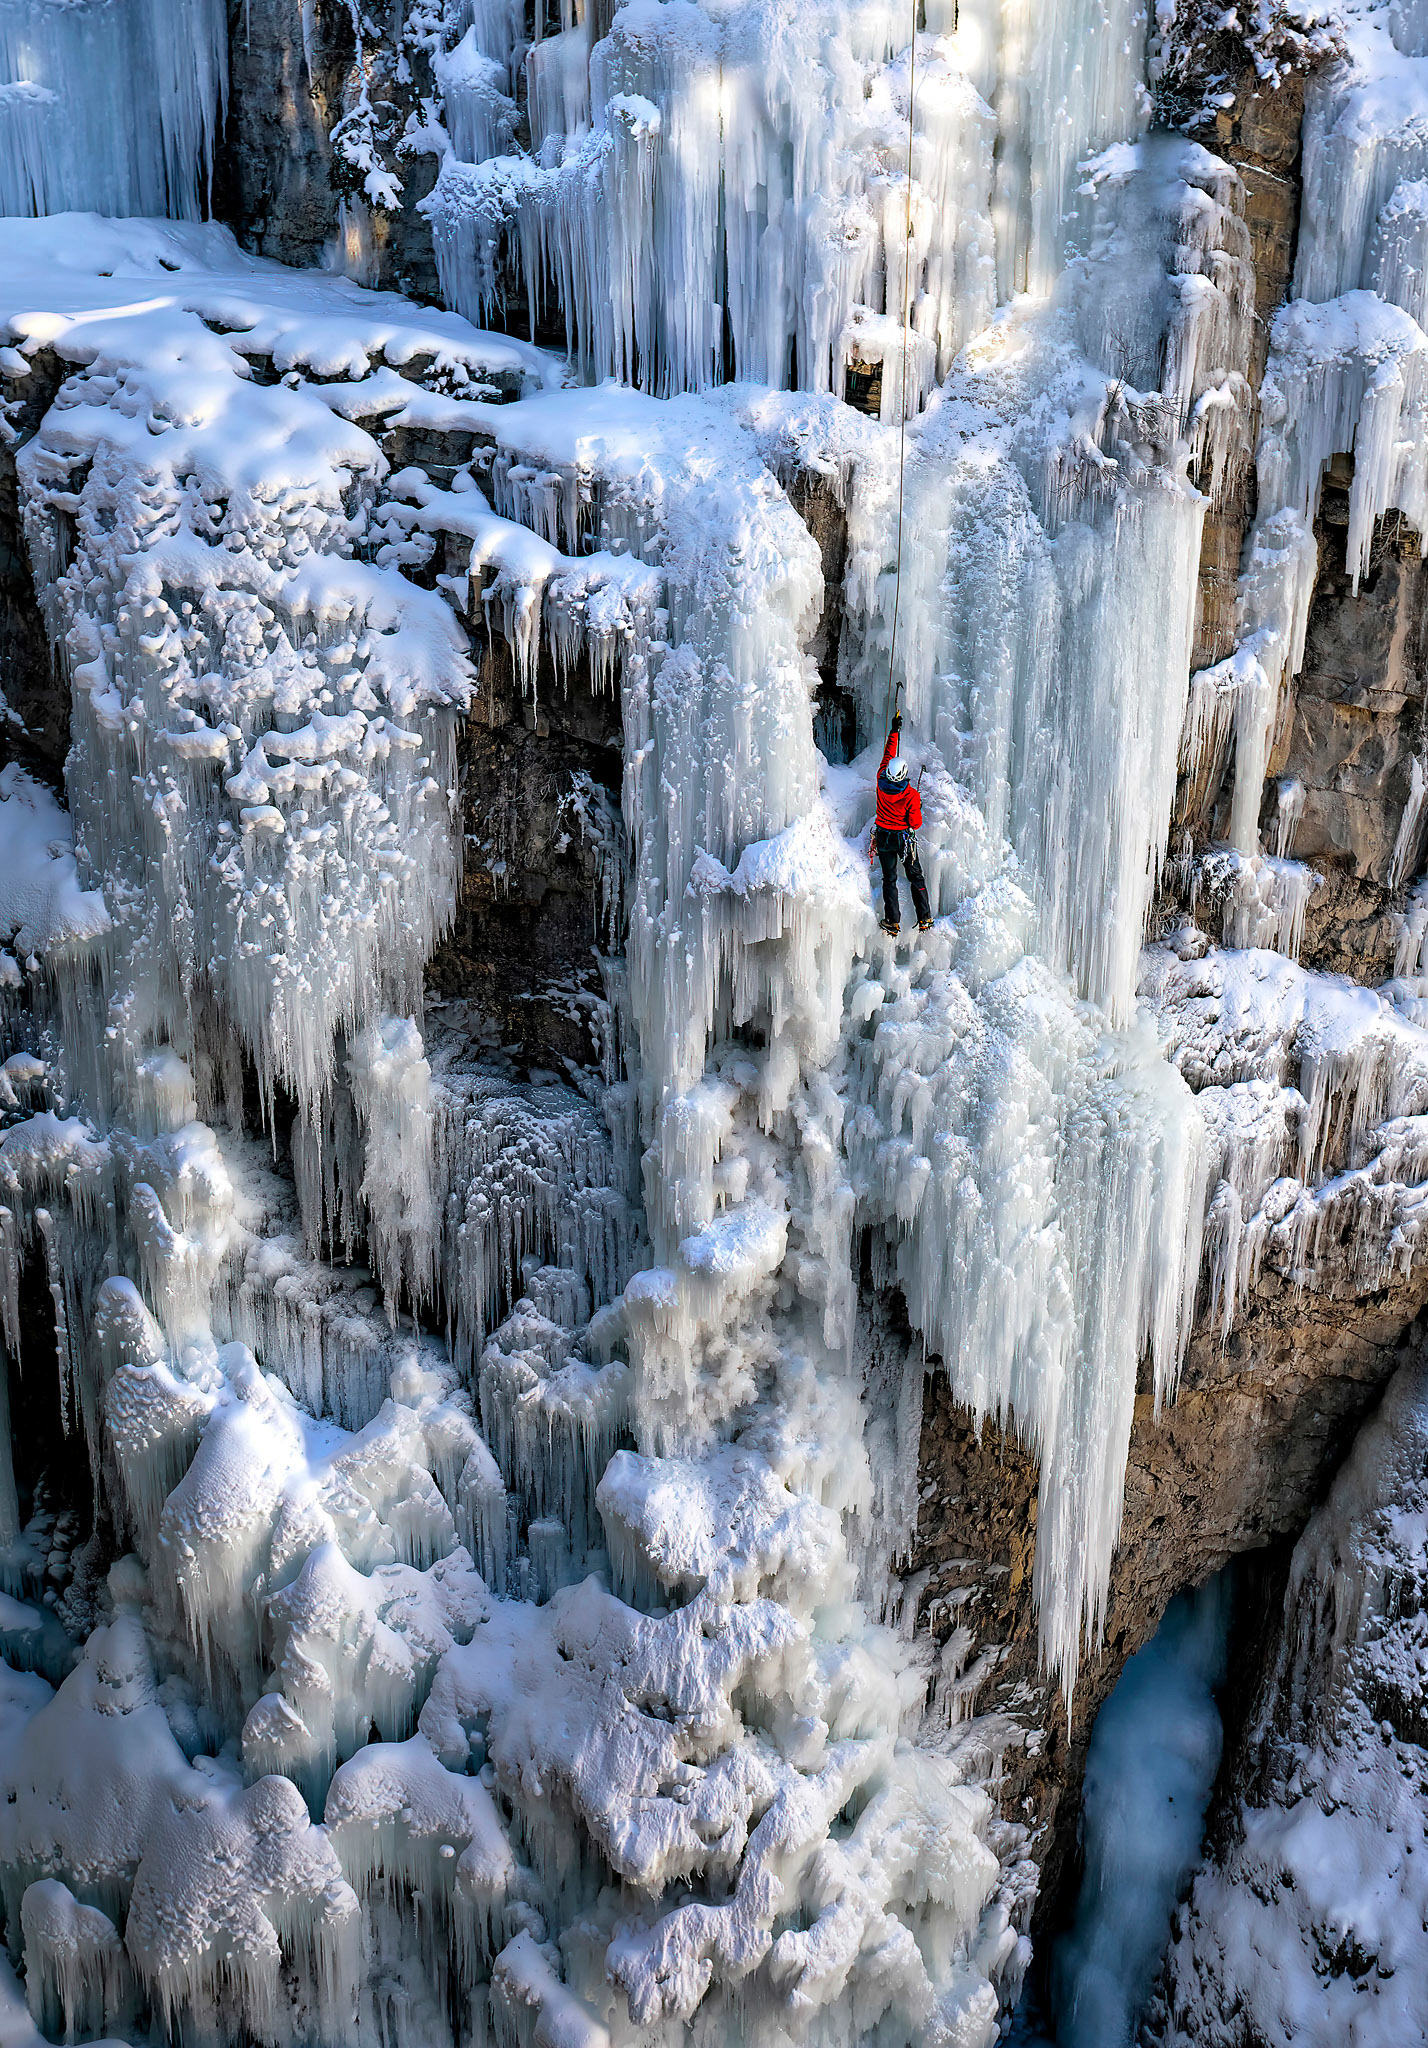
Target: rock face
[1232, 1466]
[287, 61]
[1343, 793]
[313, 111]
[1354, 741]
[1258, 131]
[1309, 1922]
[543, 858]
[34, 703]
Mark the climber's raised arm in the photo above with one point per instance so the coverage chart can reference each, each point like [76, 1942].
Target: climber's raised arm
[891, 748]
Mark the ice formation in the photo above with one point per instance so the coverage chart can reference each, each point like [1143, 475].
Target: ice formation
[264, 707]
[115, 107]
[1346, 376]
[728, 182]
[1312, 1906]
[1311, 1087]
[1314, 1092]
[498, 1626]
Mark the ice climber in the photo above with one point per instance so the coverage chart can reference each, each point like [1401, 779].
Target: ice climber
[895, 836]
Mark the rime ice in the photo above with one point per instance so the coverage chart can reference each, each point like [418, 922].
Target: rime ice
[510, 1540]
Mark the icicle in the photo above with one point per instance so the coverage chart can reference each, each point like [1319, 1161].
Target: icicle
[391, 1083]
[1350, 376]
[669, 1769]
[78, 1980]
[680, 146]
[1363, 137]
[1315, 1093]
[1398, 265]
[1061, 91]
[110, 109]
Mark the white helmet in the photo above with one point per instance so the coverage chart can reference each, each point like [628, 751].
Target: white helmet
[896, 770]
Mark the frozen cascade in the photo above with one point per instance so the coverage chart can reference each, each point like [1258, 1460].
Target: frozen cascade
[1365, 136]
[729, 179]
[114, 107]
[721, 180]
[570, 1622]
[1064, 86]
[282, 1550]
[1035, 646]
[286, 703]
[1348, 376]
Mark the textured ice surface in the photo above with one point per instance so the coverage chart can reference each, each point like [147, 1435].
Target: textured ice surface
[262, 714]
[41, 901]
[113, 106]
[530, 1662]
[1307, 1925]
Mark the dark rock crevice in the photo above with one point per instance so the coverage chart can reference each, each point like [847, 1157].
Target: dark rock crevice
[273, 180]
[540, 798]
[34, 721]
[1231, 1469]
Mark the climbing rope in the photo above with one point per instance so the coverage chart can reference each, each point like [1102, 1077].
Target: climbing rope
[906, 351]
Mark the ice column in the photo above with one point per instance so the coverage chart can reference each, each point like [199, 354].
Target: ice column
[1040, 1177]
[1065, 81]
[1346, 376]
[721, 194]
[110, 108]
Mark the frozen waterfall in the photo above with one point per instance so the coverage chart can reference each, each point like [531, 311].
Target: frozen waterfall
[497, 1631]
[111, 107]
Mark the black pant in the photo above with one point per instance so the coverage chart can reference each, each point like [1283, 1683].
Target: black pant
[892, 848]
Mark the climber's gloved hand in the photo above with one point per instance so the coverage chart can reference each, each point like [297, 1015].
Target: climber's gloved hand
[897, 721]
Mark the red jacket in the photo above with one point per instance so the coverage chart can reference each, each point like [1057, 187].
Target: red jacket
[899, 809]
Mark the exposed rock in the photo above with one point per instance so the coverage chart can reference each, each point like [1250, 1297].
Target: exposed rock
[1238, 1460]
[1355, 731]
[816, 501]
[1352, 725]
[35, 724]
[540, 793]
[1349, 745]
[292, 169]
[1258, 131]
[287, 60]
